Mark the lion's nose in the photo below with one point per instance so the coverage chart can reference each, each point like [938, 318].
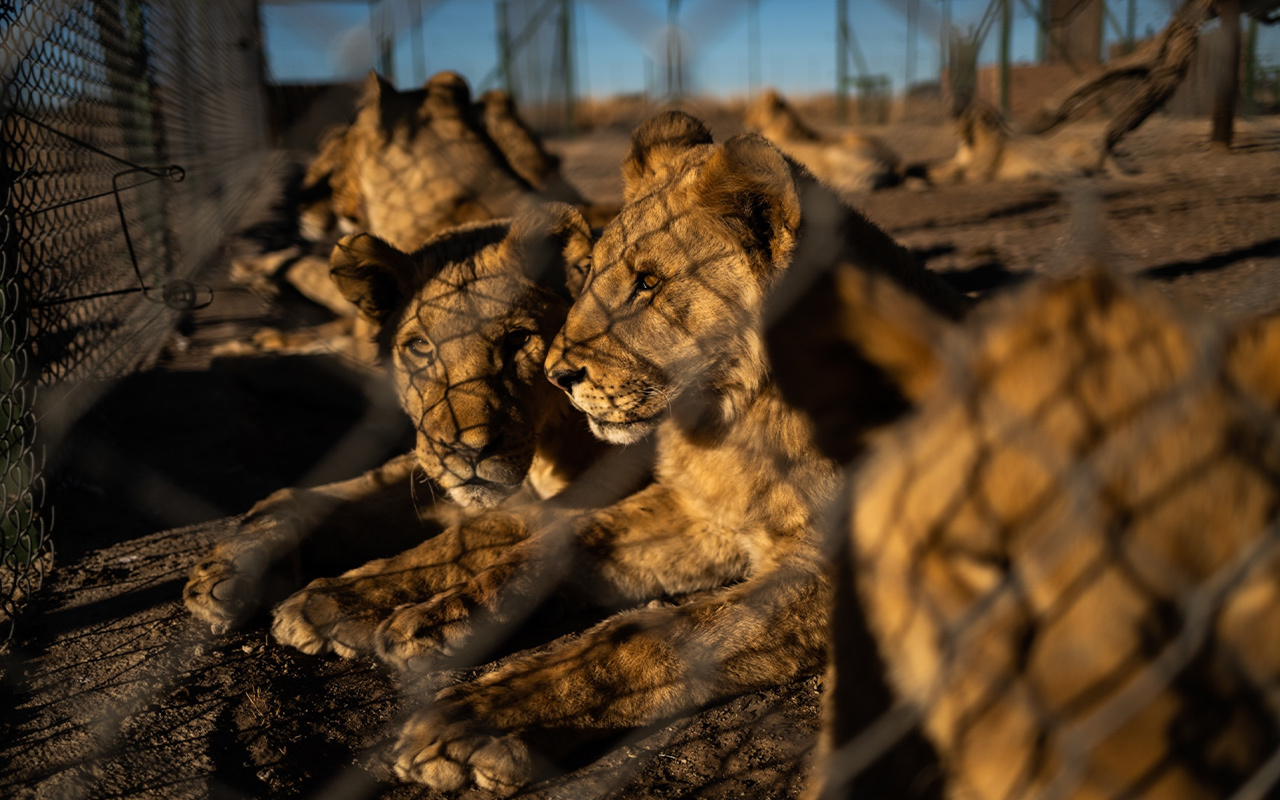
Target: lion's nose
[474, 455]
[566, 378]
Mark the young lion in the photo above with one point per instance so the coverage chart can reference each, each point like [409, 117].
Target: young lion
[410, 165]
[990, 151]
[1068, 554]
[466, 321]
[854, 162]
[665, 338]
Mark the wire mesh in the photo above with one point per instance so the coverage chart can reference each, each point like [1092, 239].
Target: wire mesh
[1063, 555]
[131, 133]
[474, 333]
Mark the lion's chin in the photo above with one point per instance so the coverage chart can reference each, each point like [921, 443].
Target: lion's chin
[622, 432]
[481, 495]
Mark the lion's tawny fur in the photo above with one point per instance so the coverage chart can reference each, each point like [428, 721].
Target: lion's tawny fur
[1068, 553]
[664, 340]
[988, 150]
[465, 321]
[850, 163]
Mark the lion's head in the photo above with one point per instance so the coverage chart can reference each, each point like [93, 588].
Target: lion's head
[669, 317]
[466, 321]
[773, 117]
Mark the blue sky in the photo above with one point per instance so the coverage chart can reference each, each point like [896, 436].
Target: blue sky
[325, 41]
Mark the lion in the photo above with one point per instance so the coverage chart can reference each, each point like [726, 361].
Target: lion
[325, 203]
[465, 322]
[410, 165]
[1068, 552]
[851, 163]
[664, 344]
[989, 150]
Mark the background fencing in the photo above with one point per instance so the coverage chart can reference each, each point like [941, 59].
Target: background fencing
[131, 134]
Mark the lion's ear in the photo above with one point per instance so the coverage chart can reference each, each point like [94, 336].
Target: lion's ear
[654, 146]
[553, 243]
[375, 86]
[447, 94]
[371, 274]
[749, 180]
[853, 350]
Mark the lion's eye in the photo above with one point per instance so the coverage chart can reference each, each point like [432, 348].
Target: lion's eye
[645, 282]
[422, 350]
[517, 339]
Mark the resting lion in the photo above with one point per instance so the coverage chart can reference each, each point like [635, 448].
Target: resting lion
[1069, 554]
[854, 162]
[465, 322]
[411, 164]
[989, 150]
[665, 341]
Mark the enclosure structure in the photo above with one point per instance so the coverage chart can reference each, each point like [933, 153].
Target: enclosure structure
[131, 134]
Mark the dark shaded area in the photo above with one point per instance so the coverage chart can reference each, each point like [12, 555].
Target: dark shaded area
[1268, 248]
[984, 278]
[162, 449]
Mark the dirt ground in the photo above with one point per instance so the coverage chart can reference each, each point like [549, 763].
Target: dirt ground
[110, 690]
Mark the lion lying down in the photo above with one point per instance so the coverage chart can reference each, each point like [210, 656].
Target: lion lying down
[989, 151]
[665, 340]
[465, 322]
[409, 166]
[851, 163]
[1068, 553]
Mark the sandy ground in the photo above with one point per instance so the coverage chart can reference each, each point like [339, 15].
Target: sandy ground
[111, 690]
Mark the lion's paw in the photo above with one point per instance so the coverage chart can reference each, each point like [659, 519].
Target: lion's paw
[324, 618]
[224, 589]
[415, 637]
[449, 755]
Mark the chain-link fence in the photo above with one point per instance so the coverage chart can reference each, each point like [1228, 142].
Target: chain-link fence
[130, 133]
[99, 227]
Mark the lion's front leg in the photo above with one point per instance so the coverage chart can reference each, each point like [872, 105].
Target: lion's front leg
[227, 585]
[644, 547]
[633, 669]
[343, 614]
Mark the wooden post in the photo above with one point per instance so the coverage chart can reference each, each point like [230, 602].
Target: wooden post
[1226, 82]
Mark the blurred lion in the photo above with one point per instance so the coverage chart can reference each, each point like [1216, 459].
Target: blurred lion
[411, 164]
[1068, 552]
[852, 163]
[989, 150]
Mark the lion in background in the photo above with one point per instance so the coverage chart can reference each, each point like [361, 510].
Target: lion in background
[665, 340]
[1068, 553]
[851, 163]
[989, 150]
[410, 165]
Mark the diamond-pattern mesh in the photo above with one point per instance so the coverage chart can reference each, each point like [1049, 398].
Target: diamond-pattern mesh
[130, 134]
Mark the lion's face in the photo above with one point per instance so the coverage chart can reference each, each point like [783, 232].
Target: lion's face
[668, 320]
[466, 321]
